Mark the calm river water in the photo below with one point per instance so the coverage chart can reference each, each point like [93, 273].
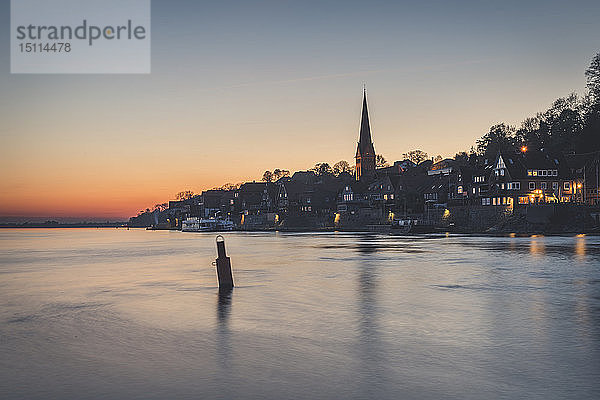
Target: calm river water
[118, 314]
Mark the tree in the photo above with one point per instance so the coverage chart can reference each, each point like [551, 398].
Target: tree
[322, 169]
[380, 161]
[592, 75]
[416, 156]
[229, 186]
[528, 132]
[341, 166]
[280, 173]
[499, 137]
[185, 195]
[462, 158]
[590, 137]
[557, 129]
[267, 176]
[161, 207]
[437, 158]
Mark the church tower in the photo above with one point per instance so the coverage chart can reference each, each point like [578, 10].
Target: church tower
[365, 152]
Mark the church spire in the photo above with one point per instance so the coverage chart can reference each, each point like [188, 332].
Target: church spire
[365, 143]
[365, 152]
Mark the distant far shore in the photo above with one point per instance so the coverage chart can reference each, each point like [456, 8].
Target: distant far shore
[66, 225]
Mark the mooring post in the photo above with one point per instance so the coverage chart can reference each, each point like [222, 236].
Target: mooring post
[223, 265]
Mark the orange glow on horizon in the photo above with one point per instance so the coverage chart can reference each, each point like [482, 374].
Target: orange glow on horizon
[108, 198]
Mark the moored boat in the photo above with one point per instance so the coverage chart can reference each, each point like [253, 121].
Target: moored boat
[195, 224]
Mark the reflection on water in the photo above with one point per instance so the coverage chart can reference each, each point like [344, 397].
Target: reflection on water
[137, 314]
[369, 341]
[224, 305]
[580, 247]
[537, 246]
[223, 340]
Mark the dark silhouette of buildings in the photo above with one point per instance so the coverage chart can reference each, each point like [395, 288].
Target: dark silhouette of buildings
[472, 193]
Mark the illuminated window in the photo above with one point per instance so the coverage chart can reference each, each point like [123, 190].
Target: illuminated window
[459, 189]
[535, 172]
[529, 172]
[523, 200]
[567, 186]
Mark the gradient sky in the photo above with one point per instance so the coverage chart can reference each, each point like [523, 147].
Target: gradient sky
[238, 87]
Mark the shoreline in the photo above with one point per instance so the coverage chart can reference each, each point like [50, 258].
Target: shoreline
[441, 232]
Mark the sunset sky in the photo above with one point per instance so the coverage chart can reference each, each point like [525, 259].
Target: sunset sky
[241, 87]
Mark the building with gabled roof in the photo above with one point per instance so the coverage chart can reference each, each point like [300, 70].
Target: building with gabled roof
[524, 178]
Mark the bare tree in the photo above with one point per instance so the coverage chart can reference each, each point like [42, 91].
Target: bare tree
[416, 156]
[229, 186]
[322, 169]
[280, 173]
[184, 195]
[161, 207]
[380, 161]
[267, 176]
[341, 166]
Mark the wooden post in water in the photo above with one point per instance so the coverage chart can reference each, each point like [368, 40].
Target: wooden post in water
[223, 265]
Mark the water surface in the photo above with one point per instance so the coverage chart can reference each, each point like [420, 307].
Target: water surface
[112, 313]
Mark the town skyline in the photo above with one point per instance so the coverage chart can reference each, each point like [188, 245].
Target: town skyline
[73, 218]
[238, 88]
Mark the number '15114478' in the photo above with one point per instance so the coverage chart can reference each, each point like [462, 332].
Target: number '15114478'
[59, 47]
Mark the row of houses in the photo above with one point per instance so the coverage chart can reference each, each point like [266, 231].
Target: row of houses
[404, 190]
[303, 200]
[504, 182]
[521, 178]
